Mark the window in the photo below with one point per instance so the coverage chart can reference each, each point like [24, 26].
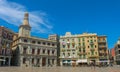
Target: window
[68, 45]
[118, 46]
[83, 39]
[88, 40]
[39, 42]
[92, 52]
[63, 46]
[103, 39]
[67, 39]
[83, 44]
[73, 53]
[80, 56]
[96, 53]
[33, 42]
[80, 49]
[53, 52]
[33, 51]
[53, 44]
[43, 51]
[25, 40]
[48, 43]
[84, 56]
[38, 60]
[79, 39]
[52, 61]
[24, 50]
[38, 51]
[44, 43]
[48, 52]
[73, 45]
[72, 39]
[95, 46]
[84, 50]
[32, 60]
[24, 60]
[88, 46]
[119, 51]
[68, 54]
[91, 40]
[95, 40]
[92, 46]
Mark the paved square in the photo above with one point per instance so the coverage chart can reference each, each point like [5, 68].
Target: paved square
[60, 69]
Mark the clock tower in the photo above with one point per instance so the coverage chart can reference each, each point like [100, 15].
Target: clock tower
[24, 29]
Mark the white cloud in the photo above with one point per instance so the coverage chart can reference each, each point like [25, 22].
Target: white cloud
[13, 13]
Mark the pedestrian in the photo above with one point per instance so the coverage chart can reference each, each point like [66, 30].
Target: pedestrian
[93, 65]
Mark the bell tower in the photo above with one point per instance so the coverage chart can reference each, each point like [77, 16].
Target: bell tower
[24, 29]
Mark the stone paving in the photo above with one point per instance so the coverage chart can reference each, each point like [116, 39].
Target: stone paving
[60, 69]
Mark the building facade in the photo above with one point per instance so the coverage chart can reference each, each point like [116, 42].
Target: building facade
[103, 50]
[6, 38]
[82, 49]
[117, 52]
[33, 51]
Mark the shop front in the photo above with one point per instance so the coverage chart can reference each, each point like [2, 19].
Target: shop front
[82, 62]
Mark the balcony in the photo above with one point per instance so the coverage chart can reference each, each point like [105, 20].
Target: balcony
[82, 53]
[91, 43]
[102, 46]
[101, 41]
[103, 57]
[93, 56]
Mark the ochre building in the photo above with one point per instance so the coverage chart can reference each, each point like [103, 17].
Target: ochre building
[83, 49]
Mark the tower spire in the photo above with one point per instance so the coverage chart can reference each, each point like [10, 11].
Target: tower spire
[24, 29]
[26, 19]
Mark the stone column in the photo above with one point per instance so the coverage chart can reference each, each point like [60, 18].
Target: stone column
[4, 61]
[46, 61]
[21, 49]
[36, 50]
[41, 62]
[9, 61]
[51, 61]
[41, 51]
[50, 52]
[61, 64]
[46, 51]
[30, 61]
[29, 50]
[35, 61]
[55, 53]
[55, 62]
[21, 61]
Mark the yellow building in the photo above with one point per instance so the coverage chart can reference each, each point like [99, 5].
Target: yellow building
[81, 49]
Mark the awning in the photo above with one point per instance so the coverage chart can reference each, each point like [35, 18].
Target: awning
[103, 61]
[67, 61]
[82, 61]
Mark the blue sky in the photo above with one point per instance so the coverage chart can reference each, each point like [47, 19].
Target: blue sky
[59, 16]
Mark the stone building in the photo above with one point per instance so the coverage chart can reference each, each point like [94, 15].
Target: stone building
[117, 52]
[33, 51]
[6, 38]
